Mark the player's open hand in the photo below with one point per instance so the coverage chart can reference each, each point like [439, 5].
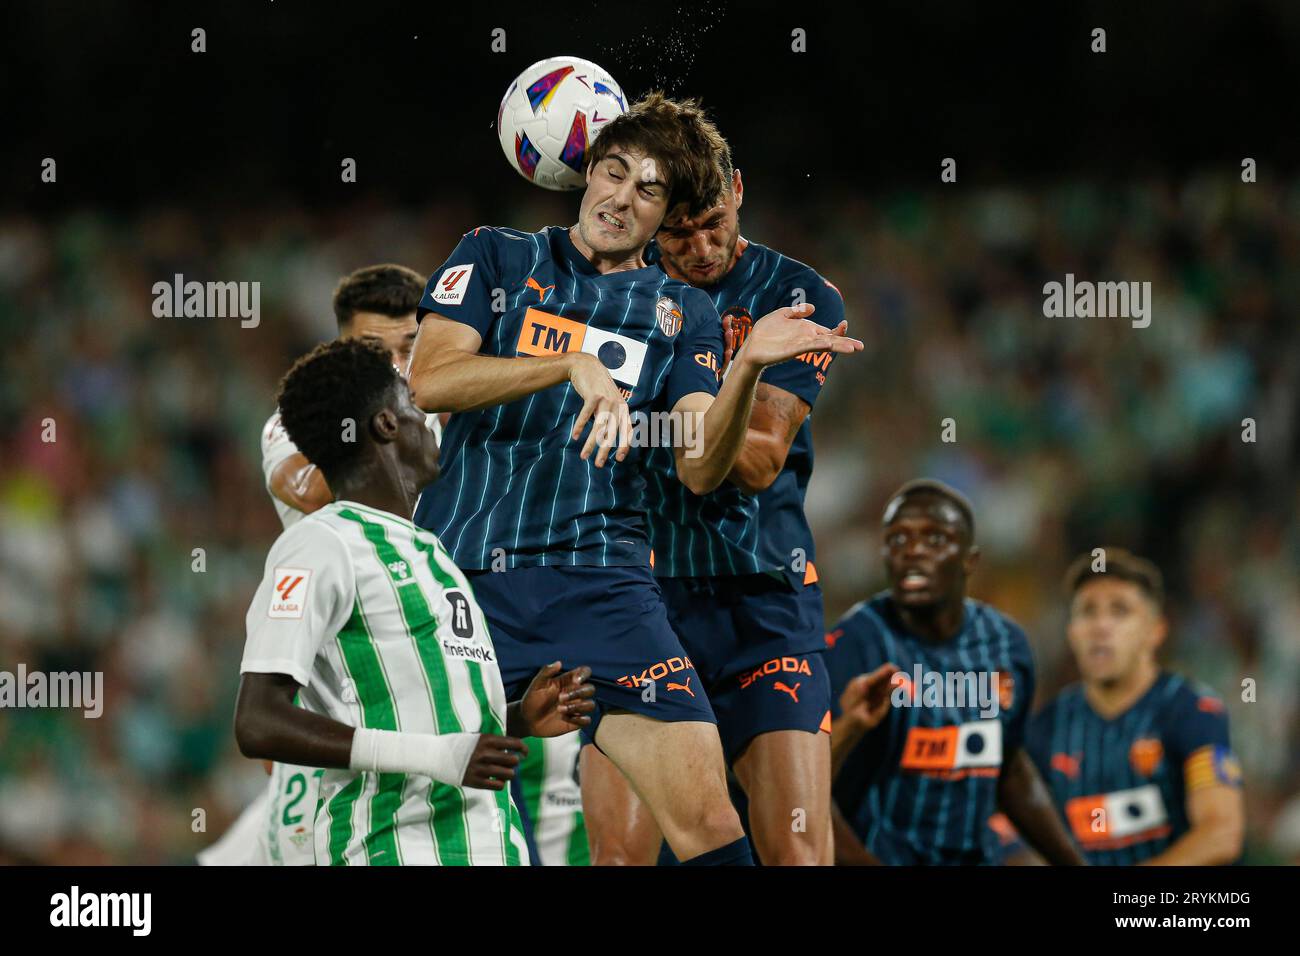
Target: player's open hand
[604, 406]
[787, 332]
[865, 700]
[556, 703]
[492, 764]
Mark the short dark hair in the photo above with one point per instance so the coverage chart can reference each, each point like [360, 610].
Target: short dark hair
[1119, 563]
[391, 290]
[336, 381]
[678, 135]
[938, 489]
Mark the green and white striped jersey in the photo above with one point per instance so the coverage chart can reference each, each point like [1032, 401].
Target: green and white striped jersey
[371, 616]
[552, 799]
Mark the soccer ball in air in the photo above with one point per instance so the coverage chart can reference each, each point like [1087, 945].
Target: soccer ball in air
[549, 116]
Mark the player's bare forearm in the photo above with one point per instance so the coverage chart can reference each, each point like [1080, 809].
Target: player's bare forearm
[1200, 846]
[516, 724]
[300, 484]
[722, 429]
[1027, 802]
[773, 423]
[269, 727]
[757, 465]
[447, 373]
[1218, 822]
[849, 850]
[465, 382]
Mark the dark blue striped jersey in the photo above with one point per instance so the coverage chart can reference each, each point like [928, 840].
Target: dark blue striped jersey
[920, 788]
[1121, 785]
[513, 491]
[727, 531]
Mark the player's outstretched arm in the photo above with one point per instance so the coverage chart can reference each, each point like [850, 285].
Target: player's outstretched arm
[269, 727]
[776, 337]
[1027, 802]
[864, 704]
[448, 375]
[554, 704]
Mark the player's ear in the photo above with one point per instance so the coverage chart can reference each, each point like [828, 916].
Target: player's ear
[1160, 631]
[971, 560]
[737, 187]
[384, 425]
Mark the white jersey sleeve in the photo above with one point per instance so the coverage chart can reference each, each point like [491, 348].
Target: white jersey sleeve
[306, 597]
[276, 447]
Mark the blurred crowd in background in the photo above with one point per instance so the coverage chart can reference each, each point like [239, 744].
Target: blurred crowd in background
[1070, 434]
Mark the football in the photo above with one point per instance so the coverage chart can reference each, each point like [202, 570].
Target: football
[550, 115]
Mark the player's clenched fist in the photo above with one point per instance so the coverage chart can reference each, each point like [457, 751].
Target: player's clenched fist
[493, 761]
[603, 405]
[787, 332]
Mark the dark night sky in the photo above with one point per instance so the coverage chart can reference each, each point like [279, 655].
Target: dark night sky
[287, 88]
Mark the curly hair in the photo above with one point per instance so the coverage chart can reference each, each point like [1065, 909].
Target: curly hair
[387, 289]
[681, 139]
[343, 381]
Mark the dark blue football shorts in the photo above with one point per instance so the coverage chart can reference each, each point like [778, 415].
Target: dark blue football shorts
[612, 619]
[758, 647]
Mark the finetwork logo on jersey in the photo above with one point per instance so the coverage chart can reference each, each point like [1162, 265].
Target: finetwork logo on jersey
[289, 594]
[452, 284]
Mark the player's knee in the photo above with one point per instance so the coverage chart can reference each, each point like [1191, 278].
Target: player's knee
[615, 856]
[793, 849]
[711, 822]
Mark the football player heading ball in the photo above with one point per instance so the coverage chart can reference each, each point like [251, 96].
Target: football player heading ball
[561, 520]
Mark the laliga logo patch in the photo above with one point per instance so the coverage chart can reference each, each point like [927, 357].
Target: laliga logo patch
[451, 285]
[669, 315]
[289, 594]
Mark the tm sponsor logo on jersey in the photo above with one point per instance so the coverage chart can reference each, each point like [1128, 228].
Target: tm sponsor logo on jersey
[546, 334]
[452, 284]
[955, 751]
[75, 909]
[990, 691]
